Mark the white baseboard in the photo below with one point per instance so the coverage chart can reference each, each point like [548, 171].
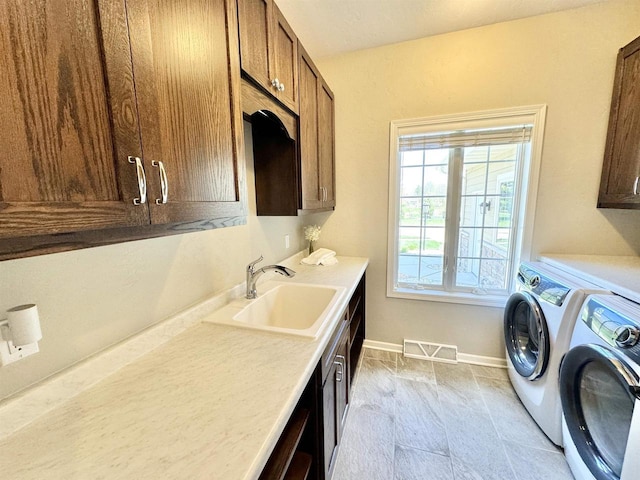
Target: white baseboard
[389, 347]
[483, 361]
[462, 357]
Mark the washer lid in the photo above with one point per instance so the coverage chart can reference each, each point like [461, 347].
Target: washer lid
[526, 335]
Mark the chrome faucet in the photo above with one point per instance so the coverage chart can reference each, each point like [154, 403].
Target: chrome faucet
[253, 275]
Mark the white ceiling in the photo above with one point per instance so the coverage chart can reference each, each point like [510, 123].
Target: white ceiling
[331, 27]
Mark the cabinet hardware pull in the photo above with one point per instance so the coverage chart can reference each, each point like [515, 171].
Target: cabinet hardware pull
[275, 83]
[340, 370]
[281, 87]
[340, 362]
[142, 180]
[635, 186]
[164, 182]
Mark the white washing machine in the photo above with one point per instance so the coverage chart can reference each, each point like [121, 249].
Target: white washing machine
[538, 323]
[600, 391]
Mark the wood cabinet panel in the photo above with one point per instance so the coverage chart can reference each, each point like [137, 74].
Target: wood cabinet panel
[317, 151]
[91, 83]
[335, 395]
[269, 50]
[254, 19]
[310, 180]
[285, 60]
[187, 104]
[64, 166]
[326, 145]
[621, 169]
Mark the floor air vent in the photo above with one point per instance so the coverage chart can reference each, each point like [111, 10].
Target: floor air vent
[430, 351]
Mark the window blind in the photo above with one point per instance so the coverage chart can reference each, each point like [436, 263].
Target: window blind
[465, 138]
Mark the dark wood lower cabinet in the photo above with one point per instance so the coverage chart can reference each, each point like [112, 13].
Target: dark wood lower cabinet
[335, 397]
[309, 444]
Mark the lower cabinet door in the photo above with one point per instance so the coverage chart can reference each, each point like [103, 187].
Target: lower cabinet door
[330, 419]
[335, 399]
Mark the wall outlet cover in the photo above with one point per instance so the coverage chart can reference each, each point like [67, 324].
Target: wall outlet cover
[9, 353]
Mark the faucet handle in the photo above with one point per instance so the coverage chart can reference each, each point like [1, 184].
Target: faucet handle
[252, 264]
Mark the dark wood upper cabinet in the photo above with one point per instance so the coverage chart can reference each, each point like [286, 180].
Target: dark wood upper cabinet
[66, 130]
[619, 185]
[91, 85]
[186, 73]
[317, 128]
[269, 50]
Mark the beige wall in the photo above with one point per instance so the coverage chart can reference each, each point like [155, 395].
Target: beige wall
[91, 299]
[565, 60]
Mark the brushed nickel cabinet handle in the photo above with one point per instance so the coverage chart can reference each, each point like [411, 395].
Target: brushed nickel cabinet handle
[281, 87]
[164, 183]
[142, 180]
[635, 186]
[339, 371]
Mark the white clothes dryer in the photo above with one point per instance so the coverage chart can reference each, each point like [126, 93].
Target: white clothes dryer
[538, 323]
[600, 391]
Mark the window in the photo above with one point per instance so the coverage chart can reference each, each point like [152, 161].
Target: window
[461, 197]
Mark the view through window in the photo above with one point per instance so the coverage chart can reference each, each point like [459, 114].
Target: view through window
[457, 204]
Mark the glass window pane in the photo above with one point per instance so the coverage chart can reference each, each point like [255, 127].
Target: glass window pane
[493, 272]
[500, 173]
[411, 158]
[431, 270]
[473, 178]
[472, 210]
[467, 272]
[410, 212]
[437, 157]
[434, 211]
[503, 152]
[410, 181]
[476, 154]
[417, 270]
[409, 240]
[469, 241]
[435, 180]
[408, 268]
[502, 238]
[433, 241]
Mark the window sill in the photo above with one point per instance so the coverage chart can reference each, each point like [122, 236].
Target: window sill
[498, 301]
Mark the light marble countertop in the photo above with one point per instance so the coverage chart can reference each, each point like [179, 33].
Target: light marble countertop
[209, 403]
[620, 274]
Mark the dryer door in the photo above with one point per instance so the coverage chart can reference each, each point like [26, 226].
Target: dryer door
[598, 390]
[526, 335]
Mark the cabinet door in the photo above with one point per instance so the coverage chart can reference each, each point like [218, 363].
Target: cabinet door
[254, 21]
[335, 394]
[66, 127]
[331, 423]
[326, 146]
[187, 81]
[310, 176]
[343, 386]
[619, 187]
[285, 61]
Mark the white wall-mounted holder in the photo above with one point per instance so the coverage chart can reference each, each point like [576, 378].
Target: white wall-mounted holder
[20, 333]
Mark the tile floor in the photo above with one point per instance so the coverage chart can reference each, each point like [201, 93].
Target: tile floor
[415, 419]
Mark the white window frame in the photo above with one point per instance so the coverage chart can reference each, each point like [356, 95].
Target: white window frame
[534, 115]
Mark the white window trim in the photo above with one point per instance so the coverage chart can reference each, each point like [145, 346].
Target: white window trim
[535, 115]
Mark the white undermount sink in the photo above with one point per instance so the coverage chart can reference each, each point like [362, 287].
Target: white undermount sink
[291, 308]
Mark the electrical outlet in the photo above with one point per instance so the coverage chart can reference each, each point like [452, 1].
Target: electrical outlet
[286, 241]
[9, 353]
